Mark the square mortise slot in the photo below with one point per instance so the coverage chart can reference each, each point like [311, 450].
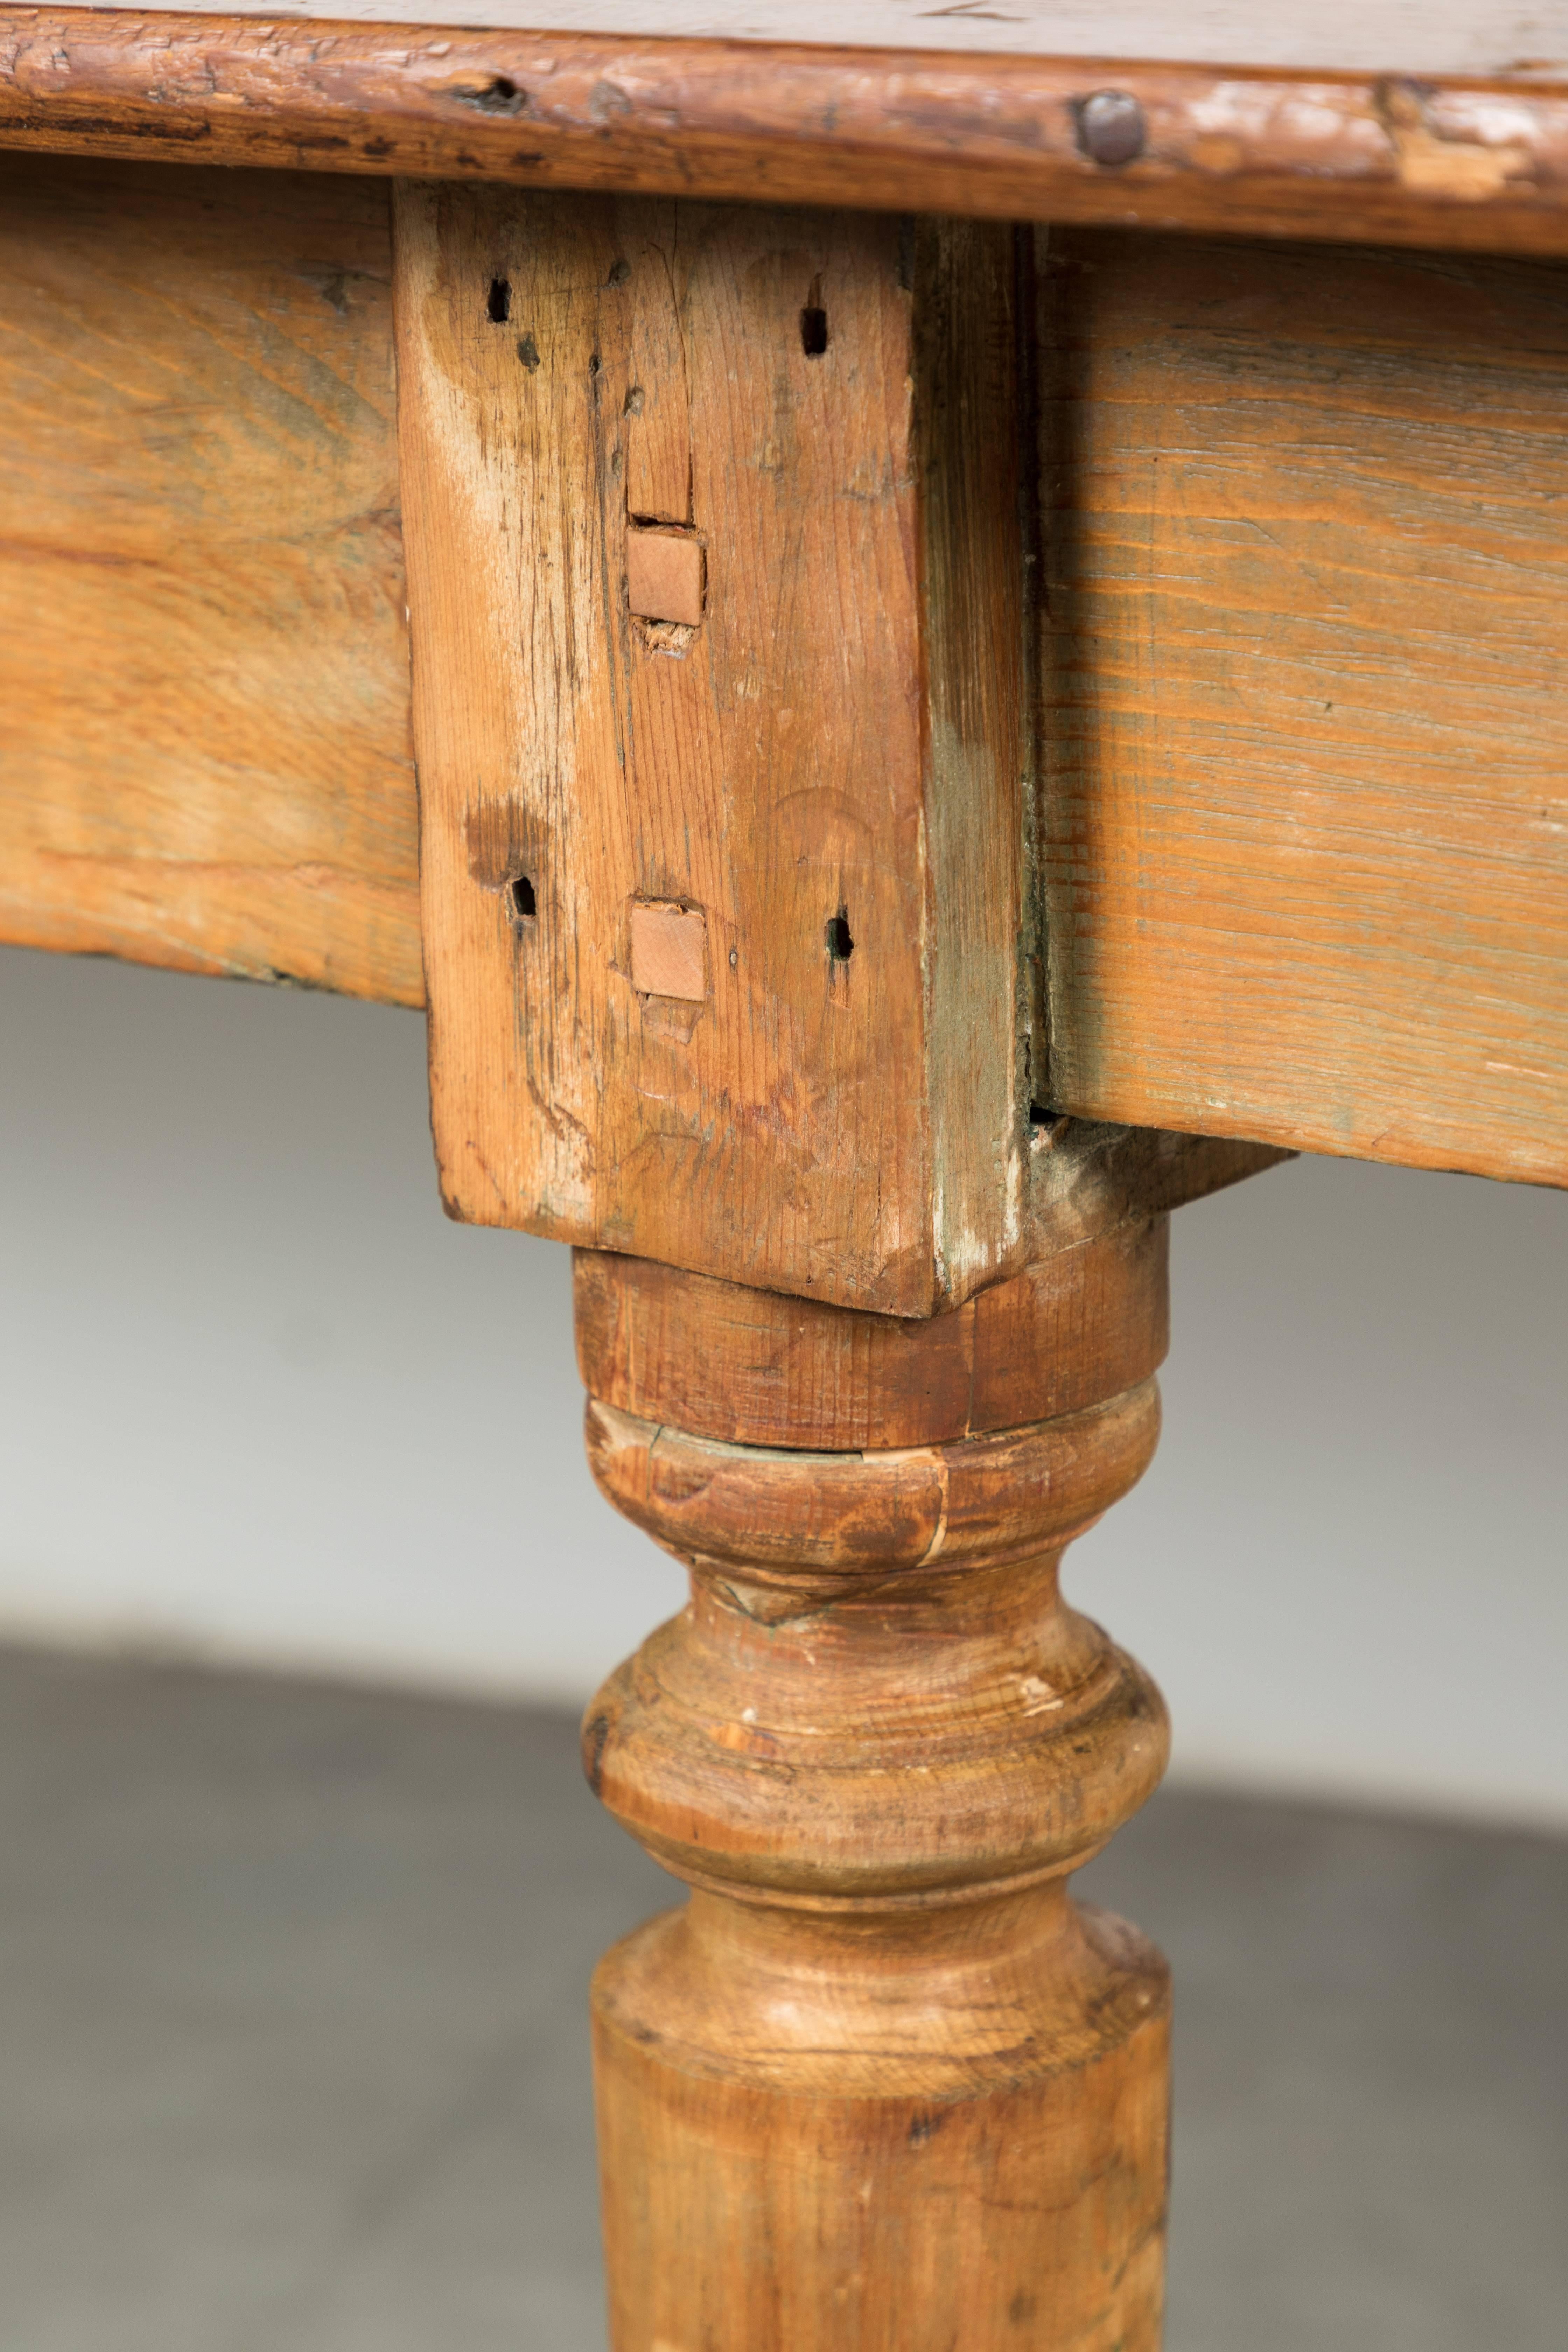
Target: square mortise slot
[669, 950]
[664, 574]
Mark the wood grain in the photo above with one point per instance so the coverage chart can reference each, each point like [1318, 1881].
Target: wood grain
[1396, 154]
[797, 1521]
[1085, 1318]
[1306, 829]
[881, 2083]
[202, 656]
[755, 1368]
[830, 767]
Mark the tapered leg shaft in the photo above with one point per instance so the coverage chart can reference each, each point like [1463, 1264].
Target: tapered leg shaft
[880, 2085]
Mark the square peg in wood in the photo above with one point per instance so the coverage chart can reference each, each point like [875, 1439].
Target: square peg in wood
[664, 576]
[669, 950]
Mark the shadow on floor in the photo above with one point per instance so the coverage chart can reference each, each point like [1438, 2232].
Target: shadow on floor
[294, 2059]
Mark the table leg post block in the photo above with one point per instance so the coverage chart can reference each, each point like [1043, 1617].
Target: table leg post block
[880, 2085]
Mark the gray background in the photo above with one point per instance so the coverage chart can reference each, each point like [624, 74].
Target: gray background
[262, 1402]
[294, 2043]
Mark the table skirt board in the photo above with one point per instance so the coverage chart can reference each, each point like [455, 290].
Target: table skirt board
[1302, 832]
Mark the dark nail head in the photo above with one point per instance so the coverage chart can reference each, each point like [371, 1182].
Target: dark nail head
[1111, 127]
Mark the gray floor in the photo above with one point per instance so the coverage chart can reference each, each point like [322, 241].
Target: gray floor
[292, 2054]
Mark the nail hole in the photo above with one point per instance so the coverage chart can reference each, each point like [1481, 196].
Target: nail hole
[498, 96]
[528, 350]
[841, 946]
[813, 331]
[521, 902]
[619, 273]
[500, 303]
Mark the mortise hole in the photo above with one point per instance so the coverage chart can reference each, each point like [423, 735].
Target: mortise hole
[813, 331]
[521, 902]
[841, 946]
[500, 303]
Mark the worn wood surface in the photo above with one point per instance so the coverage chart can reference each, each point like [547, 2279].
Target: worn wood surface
[880, 2083]
[1307, 818]
[1084, 1319]
[1495, 40]
[1400, 131]
[826, 769]
[205, 758]
[1306, 842]
[755, 1368]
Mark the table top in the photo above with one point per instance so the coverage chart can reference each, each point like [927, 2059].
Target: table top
[1386, 124]
[1500, 40]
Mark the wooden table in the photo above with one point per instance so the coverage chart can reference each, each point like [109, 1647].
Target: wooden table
[939, 738]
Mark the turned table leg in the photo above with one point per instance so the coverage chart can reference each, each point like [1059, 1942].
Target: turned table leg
[723, 528]
[880, 2085]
